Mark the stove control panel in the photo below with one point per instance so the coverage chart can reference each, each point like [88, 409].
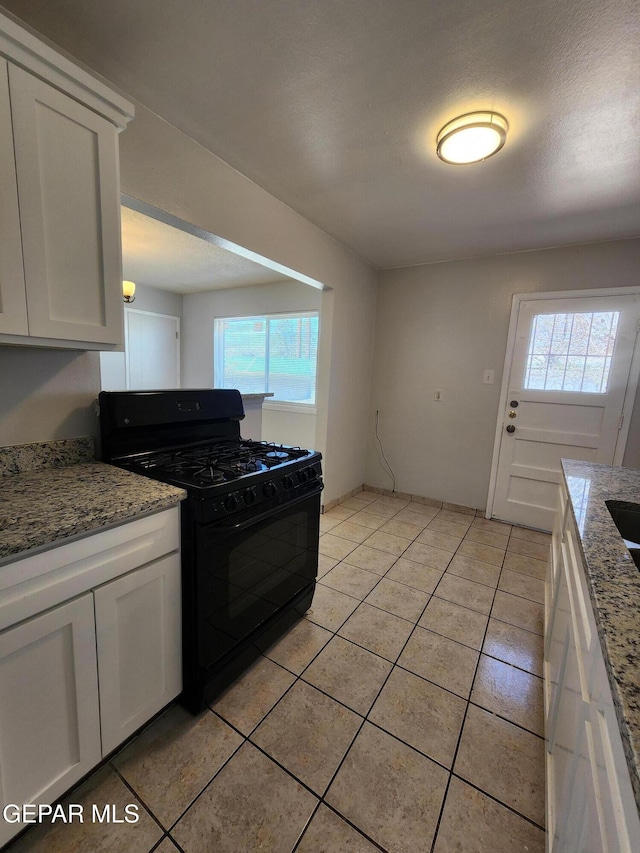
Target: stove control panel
[256, 497]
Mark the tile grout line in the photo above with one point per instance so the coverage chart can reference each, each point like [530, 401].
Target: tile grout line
[499, 802]
[166, 833]
[469, 702]
[299, 677]
[479, 651]
[364, 717]
[464, 721]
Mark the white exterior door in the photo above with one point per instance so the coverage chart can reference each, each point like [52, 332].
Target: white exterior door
[152, 350]
[568, 378]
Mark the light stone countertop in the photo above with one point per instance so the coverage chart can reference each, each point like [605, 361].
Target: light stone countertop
[50, 492]
[613, 580]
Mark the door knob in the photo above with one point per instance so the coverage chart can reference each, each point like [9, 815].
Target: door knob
[512, 414]
[511, 428]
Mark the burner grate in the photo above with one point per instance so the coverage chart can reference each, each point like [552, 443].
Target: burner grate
[216, 462]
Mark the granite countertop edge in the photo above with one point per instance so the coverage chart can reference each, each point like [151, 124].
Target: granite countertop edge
[613, 581]
[44, 508]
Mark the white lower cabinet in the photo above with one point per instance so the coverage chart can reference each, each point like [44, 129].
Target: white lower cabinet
[77, 679]
[138, 633]
[49, 718]
[590, 802]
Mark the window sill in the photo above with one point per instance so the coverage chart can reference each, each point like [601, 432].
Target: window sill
[281, 406]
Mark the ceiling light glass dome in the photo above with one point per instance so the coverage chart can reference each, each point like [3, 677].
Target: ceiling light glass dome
[472, 137]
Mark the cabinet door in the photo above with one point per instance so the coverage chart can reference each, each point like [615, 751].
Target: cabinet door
[67, 168]
[563, 719]
[620, 814]
[13, 300]
[585, 825]
[138, 628]
[49, 717]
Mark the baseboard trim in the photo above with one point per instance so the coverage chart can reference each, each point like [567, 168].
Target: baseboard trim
[419, 499]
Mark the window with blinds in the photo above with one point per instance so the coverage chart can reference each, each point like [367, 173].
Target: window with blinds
[275, 353]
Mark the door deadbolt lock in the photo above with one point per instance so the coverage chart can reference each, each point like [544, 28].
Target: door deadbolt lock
[512, 414]
[514, 404]
[511, 428]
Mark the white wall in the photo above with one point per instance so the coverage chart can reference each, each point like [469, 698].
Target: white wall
[47, 394]
[441, 325]
[163, 167]
[297, 429]
[158, 301]
[112, 364]
[201, 309]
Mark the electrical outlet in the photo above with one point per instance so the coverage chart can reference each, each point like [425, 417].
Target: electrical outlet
[437, 395]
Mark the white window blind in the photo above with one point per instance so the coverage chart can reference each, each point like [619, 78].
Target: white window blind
[274, 353]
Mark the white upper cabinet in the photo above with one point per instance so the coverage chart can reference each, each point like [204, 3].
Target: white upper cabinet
[13, 300]
[60, 256]
[67, 168]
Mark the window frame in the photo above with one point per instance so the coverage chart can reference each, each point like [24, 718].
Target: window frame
[607, 357]
[270, 401]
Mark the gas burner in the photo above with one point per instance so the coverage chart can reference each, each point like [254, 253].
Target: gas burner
[278, 455]
[208, 475]
[252, 465]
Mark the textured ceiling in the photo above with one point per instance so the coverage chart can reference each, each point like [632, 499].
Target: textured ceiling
[334, 106]
[165, 257]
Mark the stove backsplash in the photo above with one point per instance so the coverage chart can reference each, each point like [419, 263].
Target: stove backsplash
[25, 458]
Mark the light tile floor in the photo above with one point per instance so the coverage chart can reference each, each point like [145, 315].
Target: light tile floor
[403, 713]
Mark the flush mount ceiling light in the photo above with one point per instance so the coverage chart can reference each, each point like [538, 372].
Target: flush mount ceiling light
[472, 137]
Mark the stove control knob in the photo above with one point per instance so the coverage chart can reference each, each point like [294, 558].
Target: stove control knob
[231, 503]
[312, 473]
[287, 482]
[249, 496]
[269, 490]
[302, 475]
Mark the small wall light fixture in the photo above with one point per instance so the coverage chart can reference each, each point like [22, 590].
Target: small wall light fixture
[472, 137]
[128, 291]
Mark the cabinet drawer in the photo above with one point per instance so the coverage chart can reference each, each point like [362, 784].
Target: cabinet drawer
[36, 583]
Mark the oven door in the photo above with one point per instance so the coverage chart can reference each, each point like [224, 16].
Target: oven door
[249, 569]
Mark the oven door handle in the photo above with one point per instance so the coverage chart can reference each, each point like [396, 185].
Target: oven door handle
[227, 529]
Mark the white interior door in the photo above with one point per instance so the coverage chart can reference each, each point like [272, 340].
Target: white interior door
[568, 379]
[152, 348]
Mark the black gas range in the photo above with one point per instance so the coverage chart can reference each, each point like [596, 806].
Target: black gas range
[250, 524]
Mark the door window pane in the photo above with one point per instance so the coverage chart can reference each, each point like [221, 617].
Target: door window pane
[571, 352]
